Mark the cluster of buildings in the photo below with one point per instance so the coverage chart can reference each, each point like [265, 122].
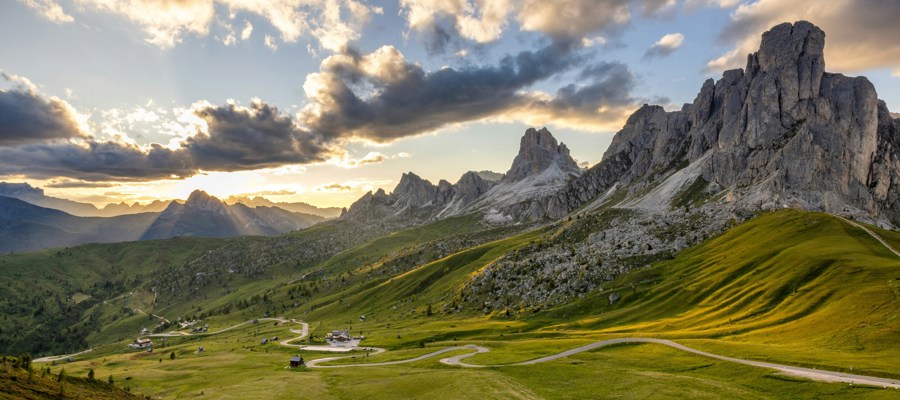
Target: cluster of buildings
[142, 343]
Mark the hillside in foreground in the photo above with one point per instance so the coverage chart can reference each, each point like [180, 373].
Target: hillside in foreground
[755, 292]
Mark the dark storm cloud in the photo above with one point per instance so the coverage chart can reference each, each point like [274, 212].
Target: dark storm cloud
[238, 139]
[242, 138]
[77, 184]
[26, 117]
[94, 161]
[405, 100]
[603, 100]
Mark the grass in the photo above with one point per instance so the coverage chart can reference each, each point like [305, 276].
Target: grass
[18, 383]
[788, 287]
[234, 366]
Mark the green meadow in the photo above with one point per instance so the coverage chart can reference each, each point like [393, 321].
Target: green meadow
[789, 287]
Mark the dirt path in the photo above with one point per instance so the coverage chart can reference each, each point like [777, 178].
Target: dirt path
[303, 332]
[62, 357]
[809, 373]
[179, 333]
[872, 234]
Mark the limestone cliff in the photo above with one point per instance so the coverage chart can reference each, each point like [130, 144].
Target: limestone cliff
[781, 132]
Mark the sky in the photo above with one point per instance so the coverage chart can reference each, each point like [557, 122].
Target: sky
[320, 101]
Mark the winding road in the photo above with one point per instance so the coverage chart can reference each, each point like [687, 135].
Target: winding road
[180, 334]
[872, 234]
[809, 373]
[61, 357]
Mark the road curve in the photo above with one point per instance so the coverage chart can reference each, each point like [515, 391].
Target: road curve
[61, 357]
[872, 234]
[304, 332]
[180, 334]
[809, 373]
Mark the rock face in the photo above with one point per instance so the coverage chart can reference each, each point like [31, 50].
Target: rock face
[781, 132]
[541, 168]
[537, 152]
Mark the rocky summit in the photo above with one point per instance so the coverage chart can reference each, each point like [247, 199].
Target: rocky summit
[539, 170]
[780, 133]
[537, 152]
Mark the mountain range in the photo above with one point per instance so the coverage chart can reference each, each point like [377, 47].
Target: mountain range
[28, 227]
[36, 196]
[780, 133]
[695, 227]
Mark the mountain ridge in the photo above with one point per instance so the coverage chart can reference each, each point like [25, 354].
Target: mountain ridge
[541, 166]
[780, 133]
[28, 227]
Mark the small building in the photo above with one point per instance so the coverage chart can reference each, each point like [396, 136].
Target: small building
[338, 336]
[296, 361]
[141, 343]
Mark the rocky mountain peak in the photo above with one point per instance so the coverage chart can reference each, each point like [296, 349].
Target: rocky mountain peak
[414, 191]
[201, 200]
[538, 150]
[19, 189]
[795, 55]
[782, 133]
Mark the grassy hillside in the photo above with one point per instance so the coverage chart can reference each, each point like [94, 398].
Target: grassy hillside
[790, 287]
[804, 288]
[51, 300]
[20, 381]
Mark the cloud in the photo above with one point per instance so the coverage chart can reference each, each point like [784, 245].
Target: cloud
[351, 186]
[861, 35]
[665, 46]
[270, 43]
[49, 9]
[449, 24]
[164, 22]
[67, 184]
[246, 138]
[95, 161]
[28, 117]
[382, 97]
[658, 8]
[373, 157]
[282, 192]
[335, 187]
[247, 31]
[440, 22]
[334, 23]
[711, 3]
[228, 138]
[574, 19]
[604, 103]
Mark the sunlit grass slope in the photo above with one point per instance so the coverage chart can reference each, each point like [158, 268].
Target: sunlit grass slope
[791, 286]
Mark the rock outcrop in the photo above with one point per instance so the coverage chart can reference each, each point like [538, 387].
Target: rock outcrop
[538, 151]
[541, 168]
[781, 132]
